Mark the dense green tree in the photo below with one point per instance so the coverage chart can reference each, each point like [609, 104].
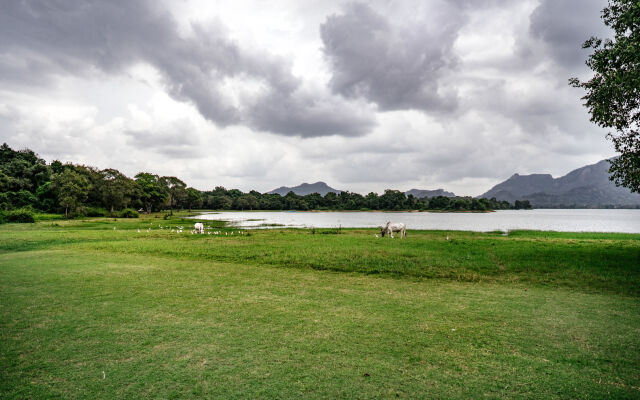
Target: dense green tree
[372, 201]
[150, 190]
[21, 173]
[194, 198]
[439, 202]
[460, 203]
[176, 189]
[240, 203]
[116, 189]
[93, 176]
[522, 205]
[71, 189]
[46, 197]
[221, 202]
[393, 200]
[234, 193]
[613, 93]
[56, 167]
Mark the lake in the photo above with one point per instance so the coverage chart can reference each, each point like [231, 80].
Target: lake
[570, 220]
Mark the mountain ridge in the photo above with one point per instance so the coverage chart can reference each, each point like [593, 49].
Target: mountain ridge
[305, 188]
[587, 186]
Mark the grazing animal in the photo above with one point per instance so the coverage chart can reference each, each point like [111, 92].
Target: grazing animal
[198, 227]
[394, 227]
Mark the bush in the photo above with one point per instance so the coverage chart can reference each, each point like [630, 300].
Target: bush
[91, 212]
[96, 212]
[129, 213]
[20, 215]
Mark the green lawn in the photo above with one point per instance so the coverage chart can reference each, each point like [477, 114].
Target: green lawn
[291, 314]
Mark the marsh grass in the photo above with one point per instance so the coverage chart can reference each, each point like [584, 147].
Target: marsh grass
[287, 314]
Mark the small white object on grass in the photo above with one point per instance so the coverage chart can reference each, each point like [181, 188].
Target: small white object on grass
[138, 230]
[104, 376]
[376, 235]
[114, 228]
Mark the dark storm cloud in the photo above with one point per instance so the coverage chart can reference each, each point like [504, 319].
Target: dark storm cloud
[396, 66]
[564, 25]
[40, 40]
[315, 116]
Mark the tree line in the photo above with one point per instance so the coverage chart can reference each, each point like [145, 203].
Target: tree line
[27, 181]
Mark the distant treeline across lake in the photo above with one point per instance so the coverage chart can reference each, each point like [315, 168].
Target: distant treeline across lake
[27, 182]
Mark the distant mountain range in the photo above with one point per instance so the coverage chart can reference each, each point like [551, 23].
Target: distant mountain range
[305, 189]
[322, 188]
[429, 193]
[587, 187]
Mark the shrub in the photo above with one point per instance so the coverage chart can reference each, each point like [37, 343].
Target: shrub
[83, 211]
[20, 215]
[129, 213]
[96, 212]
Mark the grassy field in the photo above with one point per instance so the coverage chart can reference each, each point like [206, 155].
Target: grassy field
[89, 311]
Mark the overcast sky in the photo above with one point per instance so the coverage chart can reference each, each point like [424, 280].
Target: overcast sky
[453, 94]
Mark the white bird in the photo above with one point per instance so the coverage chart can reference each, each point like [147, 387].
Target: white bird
[376, 235]
[138, 230]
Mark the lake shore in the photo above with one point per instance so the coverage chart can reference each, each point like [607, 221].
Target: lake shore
[564, 220]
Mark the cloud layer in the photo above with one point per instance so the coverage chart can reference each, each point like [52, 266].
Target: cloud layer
[47, 39]
[395, 65]
[366, 96]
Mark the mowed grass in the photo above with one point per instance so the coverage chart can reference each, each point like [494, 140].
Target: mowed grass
[335, 314]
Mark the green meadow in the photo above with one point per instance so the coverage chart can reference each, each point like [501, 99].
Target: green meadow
[119, 308]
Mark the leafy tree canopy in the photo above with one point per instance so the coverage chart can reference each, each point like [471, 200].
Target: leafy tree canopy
[613, 93]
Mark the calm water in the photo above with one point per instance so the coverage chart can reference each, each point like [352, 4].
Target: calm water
[547, 220]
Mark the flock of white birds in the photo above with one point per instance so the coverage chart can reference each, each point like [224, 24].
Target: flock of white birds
[180, 229]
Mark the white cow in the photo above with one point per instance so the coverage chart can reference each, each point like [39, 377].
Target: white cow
[394, 227]
[198, 227]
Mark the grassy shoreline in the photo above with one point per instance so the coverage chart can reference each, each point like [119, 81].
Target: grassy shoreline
[337, 313]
